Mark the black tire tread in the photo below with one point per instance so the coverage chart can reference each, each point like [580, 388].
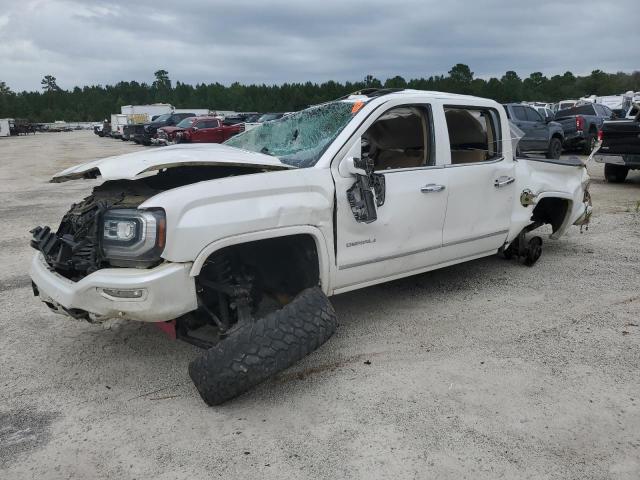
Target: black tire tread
[550, 151]
[615, 173]
[258, 350]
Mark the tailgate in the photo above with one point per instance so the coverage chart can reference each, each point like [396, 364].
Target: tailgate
[568, 125]
[621, 137]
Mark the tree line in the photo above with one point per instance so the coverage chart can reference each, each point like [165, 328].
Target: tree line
[96, 102]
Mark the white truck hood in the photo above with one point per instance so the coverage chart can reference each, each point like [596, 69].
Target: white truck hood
[131, 165]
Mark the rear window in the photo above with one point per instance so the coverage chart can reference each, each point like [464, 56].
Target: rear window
[581, 110]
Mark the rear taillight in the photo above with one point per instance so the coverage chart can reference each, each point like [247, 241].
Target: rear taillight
[579, 123]
[600, 135]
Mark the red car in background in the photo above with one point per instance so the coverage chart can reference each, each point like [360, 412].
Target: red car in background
[197, 130]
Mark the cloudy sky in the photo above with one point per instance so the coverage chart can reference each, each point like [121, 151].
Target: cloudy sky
[256, 41]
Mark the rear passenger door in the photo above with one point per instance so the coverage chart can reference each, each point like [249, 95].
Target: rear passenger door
[481, 184]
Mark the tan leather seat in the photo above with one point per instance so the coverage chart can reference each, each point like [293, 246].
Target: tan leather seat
[397, 139]
[467, 156]
[388, 159]
[466, 136]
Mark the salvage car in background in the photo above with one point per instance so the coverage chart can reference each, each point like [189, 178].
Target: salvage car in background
[540, 135]
[619, 148]
[147, 131]
[581, 124]
[197, 130]
[247, 239]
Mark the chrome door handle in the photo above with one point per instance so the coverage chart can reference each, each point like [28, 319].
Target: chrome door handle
[432, 187]
[502, 181]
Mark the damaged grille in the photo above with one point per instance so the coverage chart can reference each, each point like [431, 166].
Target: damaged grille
[74, 249]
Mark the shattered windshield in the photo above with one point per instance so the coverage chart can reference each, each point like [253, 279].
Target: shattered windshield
[301, 138]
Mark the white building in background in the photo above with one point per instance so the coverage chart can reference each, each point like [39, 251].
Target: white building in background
[4, 127]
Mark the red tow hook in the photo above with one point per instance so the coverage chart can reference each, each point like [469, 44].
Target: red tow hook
[167, 327]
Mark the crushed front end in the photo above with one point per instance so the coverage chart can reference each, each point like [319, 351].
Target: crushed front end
[104, 260]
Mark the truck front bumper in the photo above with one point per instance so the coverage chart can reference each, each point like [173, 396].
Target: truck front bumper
[150, 295]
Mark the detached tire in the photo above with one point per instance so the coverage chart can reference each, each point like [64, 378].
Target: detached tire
[615, 173]
[256, 351]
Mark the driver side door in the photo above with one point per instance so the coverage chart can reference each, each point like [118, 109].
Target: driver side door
[406, 236]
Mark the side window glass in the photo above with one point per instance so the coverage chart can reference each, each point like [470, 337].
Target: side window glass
[519, 113]
[473, 134]
[400, 138]
[532, 115]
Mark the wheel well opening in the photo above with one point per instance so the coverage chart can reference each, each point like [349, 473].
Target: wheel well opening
[551, 210]
[244, 282]
[285, 265]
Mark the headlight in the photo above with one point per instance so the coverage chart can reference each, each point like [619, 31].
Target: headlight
[133, 238]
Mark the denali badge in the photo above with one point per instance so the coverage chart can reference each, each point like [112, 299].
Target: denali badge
[361, 242]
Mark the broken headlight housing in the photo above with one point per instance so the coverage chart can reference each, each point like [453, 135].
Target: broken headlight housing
[132, 237]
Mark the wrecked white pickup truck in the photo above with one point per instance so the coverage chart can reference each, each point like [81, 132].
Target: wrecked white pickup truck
[236, 247]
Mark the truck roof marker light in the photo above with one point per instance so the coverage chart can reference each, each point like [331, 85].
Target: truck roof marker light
[357, 106]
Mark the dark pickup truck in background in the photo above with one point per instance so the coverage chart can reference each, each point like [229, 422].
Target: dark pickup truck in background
[619, 148]
[581, 125]
[540, 134]
[148, 131]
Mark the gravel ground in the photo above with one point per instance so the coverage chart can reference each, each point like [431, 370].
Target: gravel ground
[484, 370]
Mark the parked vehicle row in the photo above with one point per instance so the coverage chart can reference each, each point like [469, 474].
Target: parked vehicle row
[178, 126]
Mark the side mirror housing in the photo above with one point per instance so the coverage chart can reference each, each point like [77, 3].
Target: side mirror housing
[351, 166]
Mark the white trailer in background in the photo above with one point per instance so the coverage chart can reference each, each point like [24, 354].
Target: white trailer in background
[144, 113]
[195, 111]
[4, 127]
[118, 121]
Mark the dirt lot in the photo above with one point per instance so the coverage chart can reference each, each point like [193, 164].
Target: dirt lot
[484, 370]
